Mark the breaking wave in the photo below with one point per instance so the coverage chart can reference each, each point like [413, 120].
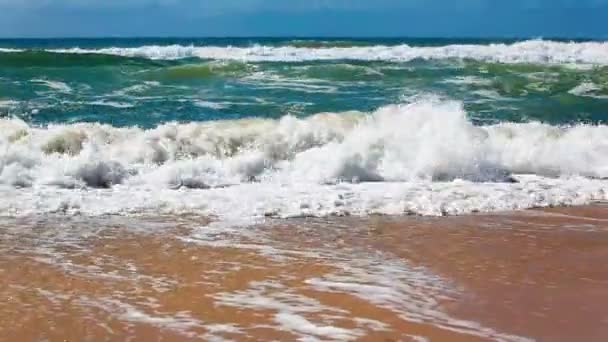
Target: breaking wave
[424, 158]
[531, 51]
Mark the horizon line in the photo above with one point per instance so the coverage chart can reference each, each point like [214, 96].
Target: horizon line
[506, 37]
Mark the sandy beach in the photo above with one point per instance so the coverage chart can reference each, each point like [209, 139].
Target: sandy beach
[248, 170]
[530, 275]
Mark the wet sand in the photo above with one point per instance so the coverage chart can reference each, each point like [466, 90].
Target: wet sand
[537, 275]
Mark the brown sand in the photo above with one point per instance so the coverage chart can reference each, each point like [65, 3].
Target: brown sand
[538, 274]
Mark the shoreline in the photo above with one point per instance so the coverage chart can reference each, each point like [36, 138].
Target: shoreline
[535, 274]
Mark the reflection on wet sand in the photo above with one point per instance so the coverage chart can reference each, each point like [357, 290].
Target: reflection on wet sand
[512, 277]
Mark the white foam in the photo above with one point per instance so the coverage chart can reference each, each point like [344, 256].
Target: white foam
[269, 81]
[208, 104]
[181, 322]
[531, 51]
[299, 324]
[425, 158]
[55, 85]
[488, 94]
[113, 104]
[587, 89]
[8, 103]
[137, 88]
[469, 80]
[416, 338]
[6, 50]
[290, 309]
[413, 293]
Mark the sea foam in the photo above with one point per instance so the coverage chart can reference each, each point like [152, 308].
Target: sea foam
[531, 51]
[423, 158]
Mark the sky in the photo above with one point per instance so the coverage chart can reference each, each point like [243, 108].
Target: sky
[353, 18]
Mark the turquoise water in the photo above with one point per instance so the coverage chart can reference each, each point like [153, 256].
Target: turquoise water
[239, 130]
[155, 82]
[210, 138]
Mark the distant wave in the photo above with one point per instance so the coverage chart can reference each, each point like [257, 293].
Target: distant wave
[43, 58]
[202, 70]
[532, 51]
[588, 89]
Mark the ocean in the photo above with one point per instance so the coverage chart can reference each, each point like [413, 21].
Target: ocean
[295, 189]
[244, 129]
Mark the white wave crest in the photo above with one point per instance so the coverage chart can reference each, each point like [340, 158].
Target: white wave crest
[532, 51]
[54, 85]
[424, 158]
[8, 50]
[588, 89]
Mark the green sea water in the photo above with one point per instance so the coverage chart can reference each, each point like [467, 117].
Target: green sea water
[239, 130]
[145, 82]
[231, 142]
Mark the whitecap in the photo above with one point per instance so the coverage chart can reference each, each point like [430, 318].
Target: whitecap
[531, 51]
[54, 85]
[423, 158]
[587, 89]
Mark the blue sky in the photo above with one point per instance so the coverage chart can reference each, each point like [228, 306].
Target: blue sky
[478, 18]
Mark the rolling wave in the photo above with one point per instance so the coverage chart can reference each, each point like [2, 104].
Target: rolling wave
[44, 58]
[532, 51]
[202, 70]
[424, 158]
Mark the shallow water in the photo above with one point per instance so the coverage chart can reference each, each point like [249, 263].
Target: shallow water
[502, 277]
[147, 82]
